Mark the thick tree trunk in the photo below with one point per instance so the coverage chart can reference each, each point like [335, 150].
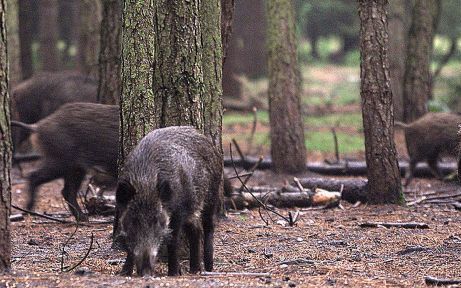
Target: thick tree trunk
[69, 19]
[397, 53]
[287, 134]
[14, 57]
[90, 25]
[5, 148]
[49, 33]
[377, 111]
[109, 56]
[417, 78]
[25, 38]
[227, 16]
[137, 103]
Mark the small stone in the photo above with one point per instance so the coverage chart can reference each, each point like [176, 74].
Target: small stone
[286, 278]
[299, 239]
[32, 242]
[291, 284]
[283, 266]
[251, 250]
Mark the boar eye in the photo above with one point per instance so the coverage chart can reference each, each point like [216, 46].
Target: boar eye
[125, 192]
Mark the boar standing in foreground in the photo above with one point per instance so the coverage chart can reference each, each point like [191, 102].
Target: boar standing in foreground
[74, 139]
[170, 181]
[428, 137]
[41, 95]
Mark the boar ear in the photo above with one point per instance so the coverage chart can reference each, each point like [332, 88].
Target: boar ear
[125, 192]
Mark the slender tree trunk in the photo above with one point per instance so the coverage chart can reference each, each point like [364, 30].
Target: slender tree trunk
[377, 111]
[14, 57]
[90, 25]
[25, 38]
[5, 148]
[49, 33]
[397, 53]
[287, 134]
[69, 19]
[137, 103]
[109, 57]
[417, 79]
[227, 15]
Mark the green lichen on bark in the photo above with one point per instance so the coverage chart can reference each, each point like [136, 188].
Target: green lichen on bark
[137, 105]
[5, 147]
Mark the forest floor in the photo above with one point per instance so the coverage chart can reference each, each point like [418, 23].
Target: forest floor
[327, 247]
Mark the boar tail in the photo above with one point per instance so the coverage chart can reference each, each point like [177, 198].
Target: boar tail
[401, 125]
[28, 127]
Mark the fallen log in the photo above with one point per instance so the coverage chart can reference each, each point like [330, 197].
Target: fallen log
[348, 168]
[353, 190]
[281, 199]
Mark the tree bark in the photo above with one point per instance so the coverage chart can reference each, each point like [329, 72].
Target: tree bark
[417, 78]
[377, 111]
[397, 53]
[25, 38]
[288, 150]
[90, 25]
[227, 15]
[109, 56]
[5, 148]
[14, 57]
[49, 33]
[137, 103]
[69, 20]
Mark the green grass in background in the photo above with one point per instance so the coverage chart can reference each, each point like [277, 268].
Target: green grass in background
[323, 141]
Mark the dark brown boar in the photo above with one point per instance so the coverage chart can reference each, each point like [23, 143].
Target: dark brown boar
[170, 182]
[74, 139]
[428, 137]
[41, 95]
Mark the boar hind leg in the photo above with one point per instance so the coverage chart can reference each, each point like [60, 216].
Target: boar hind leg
[46, 173]
[193, 233]
[72, 182]
[127, 268]
[208, 235]
[409, 174]
[432, 162]
[173, 262]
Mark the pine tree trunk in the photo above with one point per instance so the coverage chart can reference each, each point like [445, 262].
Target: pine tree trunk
[287, 134]
[227, 15]
[70, 29]
[137, 103]
[14, 57]
[90, 25]
[5, 148]
[109, 57]
[397, 53]
[377, 111]
[49, 33]
[417, 78]
[25, 38]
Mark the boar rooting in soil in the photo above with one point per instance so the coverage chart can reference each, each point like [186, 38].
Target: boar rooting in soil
[429, 137]
[74, 139]
[170, 183]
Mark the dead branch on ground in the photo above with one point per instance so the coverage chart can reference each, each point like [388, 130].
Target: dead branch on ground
[408, 225]
[251, 274]
[42, 215]
[441, 282]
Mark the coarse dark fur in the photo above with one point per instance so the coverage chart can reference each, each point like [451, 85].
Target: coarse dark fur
[170, 181]
[428, 137]
[41, 95]
[74, 139]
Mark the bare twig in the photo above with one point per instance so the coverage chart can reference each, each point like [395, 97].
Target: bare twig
[440, 282]
[84, 257]
[253, 130]
[256, 199]
[409, 225]
[239, 151]
[252, 170]
[42, 215]
[252, 274]
[241, 175]
[63, 250]
[335, 139]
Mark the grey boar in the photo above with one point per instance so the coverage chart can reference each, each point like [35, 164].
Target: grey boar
[41, 95]
[428, 137]
[170, 183]
[74, 139]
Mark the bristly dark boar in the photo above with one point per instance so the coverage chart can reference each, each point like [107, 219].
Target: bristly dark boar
[74, 139]
[170, 181]
[41, 95]
[428, 137]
